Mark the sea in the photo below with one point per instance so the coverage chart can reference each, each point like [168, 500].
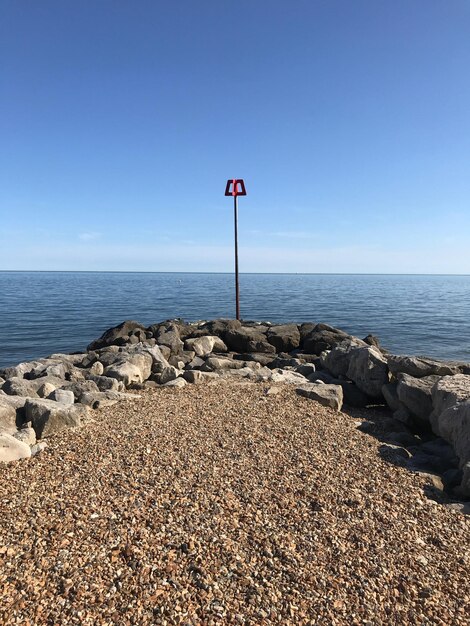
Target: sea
[46, 312]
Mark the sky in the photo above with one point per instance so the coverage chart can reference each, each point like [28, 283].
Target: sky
[121, 121]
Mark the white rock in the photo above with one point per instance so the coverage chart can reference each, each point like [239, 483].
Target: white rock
[203, 346]
[11, 449]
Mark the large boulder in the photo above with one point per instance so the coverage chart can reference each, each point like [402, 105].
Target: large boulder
[168, 335]
[248, 339]
[79, 388]
[213, 364]
[131, 368]
[327, 395]
[20, 387]
[322, 337]
[220, 327]
[203, 346]
[415, 394]
[12, 449]
[105, 383]
[18, 371]
[418, 367]
[369, 370]
[284, 337]
[287, 376]
[450, 418]
[337, 360]
[112, 335]
[49, 417]
[7, 417]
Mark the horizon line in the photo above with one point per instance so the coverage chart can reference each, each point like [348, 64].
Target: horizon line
[232, 273]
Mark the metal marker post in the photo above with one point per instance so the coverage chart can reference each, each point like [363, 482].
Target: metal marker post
[236, 187]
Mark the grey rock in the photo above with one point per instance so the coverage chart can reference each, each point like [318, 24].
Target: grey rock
[105, 383]
[248, 339]
[177, 382]
[196, 363]
[131, 367]
[389, 392]
[193, 376]
[321, 338]
[20, 387]
[287, 376]
[327, 395]
[78, 389]
[352, 395]
[98, 400]
[203, 346]
[213, 364]
[18, 371]
[96, 369]
[369, 370]
[26, 435]
[45, 389]
[403, 415]
[284, 337]
[419, 366]
[64, 396]
[415, 394]
[112, 335]
[337, 359]
[38, 447]
[7, 417]
[11, 449]
[169, 336]
[49, 417]
[258, 357]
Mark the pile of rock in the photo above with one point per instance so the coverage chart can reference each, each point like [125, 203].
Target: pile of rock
[325, 363]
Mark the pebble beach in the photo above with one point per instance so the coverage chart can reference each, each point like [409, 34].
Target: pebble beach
[229, 503]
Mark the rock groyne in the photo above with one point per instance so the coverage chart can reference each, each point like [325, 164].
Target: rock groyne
[326, 364]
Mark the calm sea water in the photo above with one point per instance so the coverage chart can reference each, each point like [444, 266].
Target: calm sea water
[46, 312]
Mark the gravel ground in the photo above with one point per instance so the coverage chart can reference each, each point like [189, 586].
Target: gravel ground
[220, 504]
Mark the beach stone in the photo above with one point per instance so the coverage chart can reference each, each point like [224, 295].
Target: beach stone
[177, 382]
[18, 371]
[168, 374]
[38, 447]
[105, 383]
[327, 395]
[169, 336]
[131, 367]
[193, 376]
[96, 369]
[20, 387]
[322, 337]
[287, 376]
[415, 394]
[389, 392]
[258, 357]
[112, 335]
[26, 435]
[64, 396]
[7, 417]
[79, 388]
[284, 337]
[50, 368]
[369, 370]
[248, 339]
[212, 364]
[45, 390]
[204, 346]
[12, 449]
[49, 417]
[220, 326]
[100, 399]
[306, 369]
[337, 359]
[418, 367]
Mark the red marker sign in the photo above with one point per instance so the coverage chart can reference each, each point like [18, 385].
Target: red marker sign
[235, 187]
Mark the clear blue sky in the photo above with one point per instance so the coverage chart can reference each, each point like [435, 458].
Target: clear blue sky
[120, 122]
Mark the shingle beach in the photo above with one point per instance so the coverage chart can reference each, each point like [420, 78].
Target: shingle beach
[227, 503]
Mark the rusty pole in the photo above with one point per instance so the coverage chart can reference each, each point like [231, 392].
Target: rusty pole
[237, 286]
[236, 187]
